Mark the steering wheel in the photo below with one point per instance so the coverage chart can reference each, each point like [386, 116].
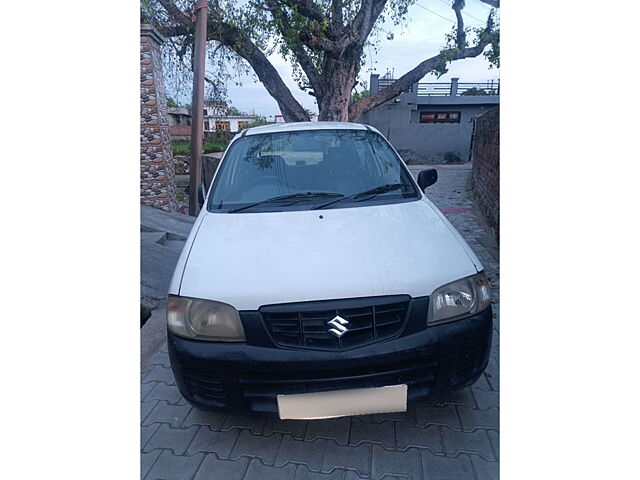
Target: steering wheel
[262, 180]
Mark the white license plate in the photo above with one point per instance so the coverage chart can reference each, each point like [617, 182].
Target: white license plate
[340, 403]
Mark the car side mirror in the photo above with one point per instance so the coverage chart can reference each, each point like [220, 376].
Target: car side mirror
[201, 195]
[427, 178]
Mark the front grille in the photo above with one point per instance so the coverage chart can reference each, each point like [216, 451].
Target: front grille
[261, 389]
[305, 325]
[205, 387]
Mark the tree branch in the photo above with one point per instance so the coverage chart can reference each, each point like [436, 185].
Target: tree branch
[306, 8]
[366, 18]
[337, 20]
[493, 3]
[175, 13]
[235, 39]
[435, 63]
[461, 38]
[408, 79]
[307, 65]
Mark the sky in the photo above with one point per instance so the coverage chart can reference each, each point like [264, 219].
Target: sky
[422, 38]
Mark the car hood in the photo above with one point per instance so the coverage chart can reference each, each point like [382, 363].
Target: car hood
[252, 259]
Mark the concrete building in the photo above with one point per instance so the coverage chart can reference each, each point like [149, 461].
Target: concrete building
[216, 119]
[432, 122]
[229, 123]
[179, 116]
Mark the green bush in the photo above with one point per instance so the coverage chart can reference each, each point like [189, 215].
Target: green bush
[450, 157]
[211, 147]
[183, 147]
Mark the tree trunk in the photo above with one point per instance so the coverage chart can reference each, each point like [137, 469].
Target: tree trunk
[339, 80]
[334, 108]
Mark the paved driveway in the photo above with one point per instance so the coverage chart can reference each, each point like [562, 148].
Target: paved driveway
[456, 439]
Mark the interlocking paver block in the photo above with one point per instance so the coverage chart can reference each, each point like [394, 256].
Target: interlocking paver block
[147, 460]
[213, 468]
[353, 475]
[347, 457]
[482, 383]
[492, 373]
[387, 462]
[174, 467]
[472, 419]
[162, 391]
[213, 420]
[303, 473]
[160, 374]
[145, 388]
[485, 470]
[146, 408]
[258, 471]
[297, 451]
[486, 399]
[255, 424]
[408, 417]
[467, 442]
[176, 439]
[147, 432]
[161, 358]
[251, 445]
[334, 428]
[371, 432]
[165, 413]
[445, 415]
[421, 437]
[495, 442]
[446, 468]
[207, 440]
[462, 397]
[296, 428]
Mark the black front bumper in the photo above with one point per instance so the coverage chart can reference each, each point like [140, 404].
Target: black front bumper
[241, 377]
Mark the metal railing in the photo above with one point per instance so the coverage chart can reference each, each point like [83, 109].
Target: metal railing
[445, 89]
[386, 82]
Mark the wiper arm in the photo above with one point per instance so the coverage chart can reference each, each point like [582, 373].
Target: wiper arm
[381, 189]
[373, 191]
[292, 196]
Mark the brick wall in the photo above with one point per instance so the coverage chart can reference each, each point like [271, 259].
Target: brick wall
[157, 169]
[485, 175]
[180, 131]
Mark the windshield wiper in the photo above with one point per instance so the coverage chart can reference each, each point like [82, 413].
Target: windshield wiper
[292, 196]
[371, 192]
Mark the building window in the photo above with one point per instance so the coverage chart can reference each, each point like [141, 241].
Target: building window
[207, 127]
[223, 126]
[439, 117]
[242, 124]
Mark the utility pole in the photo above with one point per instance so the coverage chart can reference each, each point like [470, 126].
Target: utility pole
[201, 11]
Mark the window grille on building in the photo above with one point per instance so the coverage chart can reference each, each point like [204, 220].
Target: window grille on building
[439, 117]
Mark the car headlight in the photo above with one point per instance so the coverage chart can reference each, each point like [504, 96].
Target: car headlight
[204, 320]
[459, 299]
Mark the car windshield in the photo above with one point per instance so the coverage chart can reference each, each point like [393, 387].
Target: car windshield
[302, 170]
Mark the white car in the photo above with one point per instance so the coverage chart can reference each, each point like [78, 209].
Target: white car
[319, 281]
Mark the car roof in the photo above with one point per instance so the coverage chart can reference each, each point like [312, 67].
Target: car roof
[305, 126]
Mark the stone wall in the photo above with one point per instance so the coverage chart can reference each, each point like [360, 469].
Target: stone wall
[485, 175]
[182, 164]
[157, 170]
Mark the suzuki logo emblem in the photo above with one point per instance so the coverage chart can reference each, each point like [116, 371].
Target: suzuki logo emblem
[338, 323]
